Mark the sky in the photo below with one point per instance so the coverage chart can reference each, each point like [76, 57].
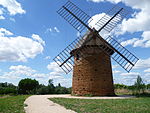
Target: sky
[32, 34]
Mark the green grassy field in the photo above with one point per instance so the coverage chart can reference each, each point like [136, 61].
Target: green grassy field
[12, 104]
[134, 105]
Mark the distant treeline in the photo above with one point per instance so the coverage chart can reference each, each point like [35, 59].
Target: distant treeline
[30, 86]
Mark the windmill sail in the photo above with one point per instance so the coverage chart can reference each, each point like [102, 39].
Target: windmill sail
[80, 20]
[64, 59]
[111, 19]
[121, 55]
[75, 16]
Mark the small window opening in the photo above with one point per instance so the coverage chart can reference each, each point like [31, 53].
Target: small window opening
[77, 56]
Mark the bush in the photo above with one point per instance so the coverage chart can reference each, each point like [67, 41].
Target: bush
[43, 90]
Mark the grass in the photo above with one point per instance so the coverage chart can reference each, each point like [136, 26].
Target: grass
[12, 104]
[134, 105]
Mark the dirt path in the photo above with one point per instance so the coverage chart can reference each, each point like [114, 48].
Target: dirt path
[41, 103]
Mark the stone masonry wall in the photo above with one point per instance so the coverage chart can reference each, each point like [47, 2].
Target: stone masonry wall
[93, 75]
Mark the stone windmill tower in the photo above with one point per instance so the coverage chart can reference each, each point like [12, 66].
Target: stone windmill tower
[90, 55]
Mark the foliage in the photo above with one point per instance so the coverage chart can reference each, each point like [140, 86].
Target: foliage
[148, 86]
[12, 104]
[139, 86]
[51, 87]
[120, 86]
[43, 90]
[61, 90]
[8, 91]
[134, 105]
[28, 86]
[8, 88]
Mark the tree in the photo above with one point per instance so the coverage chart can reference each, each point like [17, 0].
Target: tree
[58, 89]
[148, 86]
[62, 90]
[51, 87]
[28, 86]
[139, 85]
[43, 90]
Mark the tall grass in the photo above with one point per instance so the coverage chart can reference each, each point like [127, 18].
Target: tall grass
[134, 105]
[12, 104]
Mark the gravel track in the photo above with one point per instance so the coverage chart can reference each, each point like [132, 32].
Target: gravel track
[41, 103]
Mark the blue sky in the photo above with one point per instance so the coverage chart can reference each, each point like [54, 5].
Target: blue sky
[32, 34]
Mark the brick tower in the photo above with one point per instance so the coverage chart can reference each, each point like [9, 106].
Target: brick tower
[92, 74]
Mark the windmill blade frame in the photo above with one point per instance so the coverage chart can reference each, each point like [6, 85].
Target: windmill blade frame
[65, 59]
[121, 55]
[111, 19]
[80, 20]
[75, 16]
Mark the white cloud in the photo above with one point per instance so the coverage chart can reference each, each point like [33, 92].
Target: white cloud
[115, 66]
[142, 63]
[57, 75]
[22, 69]
[95, 19]
[139, 20]
[18, 72]
[4, 32]
[54, 68]
[47, 57]
[116, 71]
[129, 42]
[53, 30]
[144, 41]
[1, 11]
[2, 17]
[39, 75]
[147, 70]
[63, 81]
[38, 38]
[130, 74]
[12, 19]
[49, 29]
[127, 80]
[12, 6]
[18, 48]
[10, 77]
[97, 1]
[1, 14]
[56, 29]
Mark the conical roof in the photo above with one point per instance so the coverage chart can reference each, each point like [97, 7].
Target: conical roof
[89, 39]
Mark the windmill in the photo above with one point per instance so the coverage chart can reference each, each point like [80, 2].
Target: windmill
[90, 55]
